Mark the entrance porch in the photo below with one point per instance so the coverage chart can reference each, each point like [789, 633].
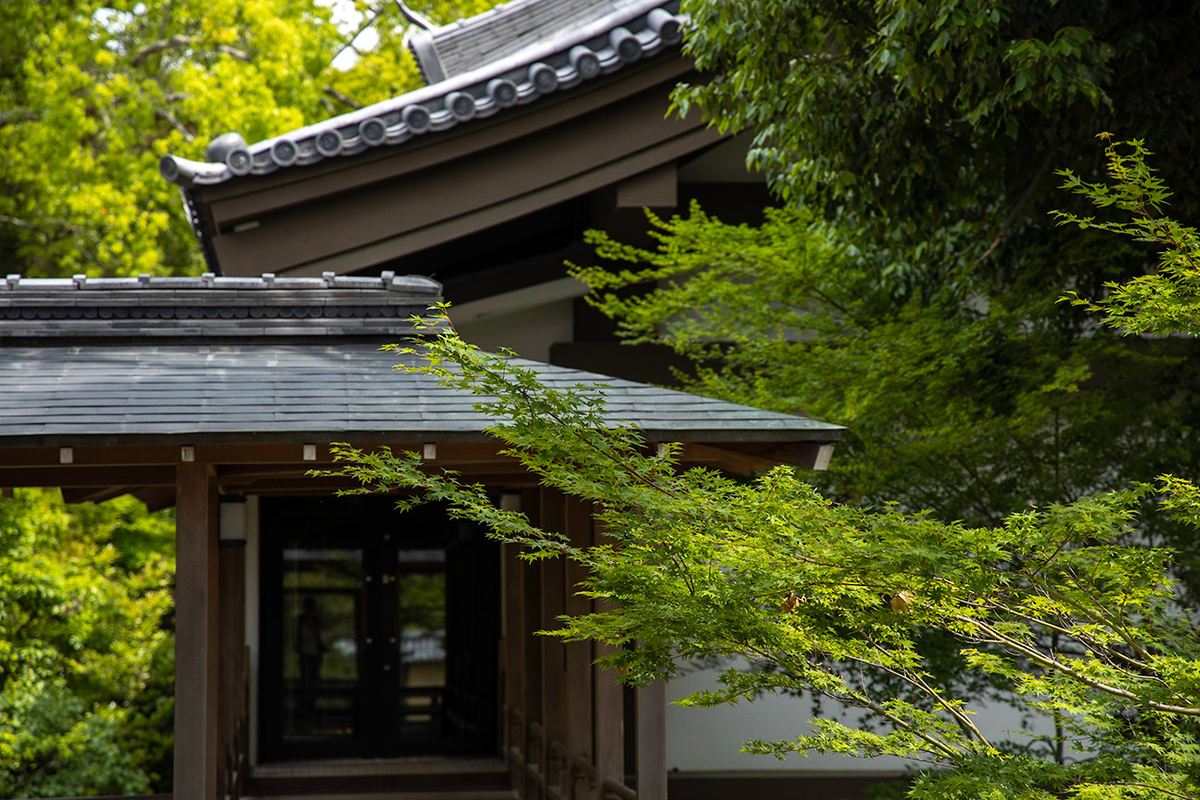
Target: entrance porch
[332, 643]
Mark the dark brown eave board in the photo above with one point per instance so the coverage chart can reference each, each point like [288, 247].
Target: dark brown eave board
[243, 198]
[510, 209]
[351, 213]
[715, 435]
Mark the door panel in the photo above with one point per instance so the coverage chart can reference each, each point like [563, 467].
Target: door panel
[378, 631]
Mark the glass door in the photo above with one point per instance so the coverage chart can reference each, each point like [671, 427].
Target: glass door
[378, 631]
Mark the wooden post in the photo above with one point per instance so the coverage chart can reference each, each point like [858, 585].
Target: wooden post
[232, 654]
[197, 744]
[609, 718]
[532, 621]
[578, 655]
[553, 600]
[652, 741]
[514, 665]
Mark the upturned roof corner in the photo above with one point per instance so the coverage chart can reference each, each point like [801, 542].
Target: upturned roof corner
[509, 56]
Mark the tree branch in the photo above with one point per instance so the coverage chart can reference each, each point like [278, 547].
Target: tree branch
[1025, 197]
[341, 98]
[18, 114]
[1055, 665]
[169, 116]
[178, 40]
[183, 40]
[349, 43]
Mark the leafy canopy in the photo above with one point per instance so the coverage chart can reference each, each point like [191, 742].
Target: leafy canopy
[93, 97]
[908, 286]
[86, 647]
[1062, 604]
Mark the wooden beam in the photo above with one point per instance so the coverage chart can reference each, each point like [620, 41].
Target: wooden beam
[609, 718]
[73, 476]
[722, 458]
[93, 494]
[531, 622]
[197, 744]
[233, 453]
[654, 188]
[156, 498]
[514, 660]
[232, 643]
[806, 455]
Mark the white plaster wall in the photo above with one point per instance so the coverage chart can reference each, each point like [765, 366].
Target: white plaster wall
[529, 331]
[710, 739]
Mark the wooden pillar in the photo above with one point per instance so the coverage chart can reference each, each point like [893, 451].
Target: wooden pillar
[578, 655]
[609, 720]
[232, 656]
[652, 741]
[514, 665]
[553, 599]
[531, 622]
[197, 742]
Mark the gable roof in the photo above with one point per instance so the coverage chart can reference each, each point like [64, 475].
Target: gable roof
[209, 360]
[509, 56]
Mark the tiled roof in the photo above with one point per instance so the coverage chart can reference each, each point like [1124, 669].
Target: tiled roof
[504, 30]
[509, 56]
[59, 395]
[150, 308]
[124, 360]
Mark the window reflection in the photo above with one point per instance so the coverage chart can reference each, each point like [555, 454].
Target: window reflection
[321, 611]
[422, 642]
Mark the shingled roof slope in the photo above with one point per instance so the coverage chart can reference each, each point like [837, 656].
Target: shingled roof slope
[512, 55]
[192, 360]
[92, 394]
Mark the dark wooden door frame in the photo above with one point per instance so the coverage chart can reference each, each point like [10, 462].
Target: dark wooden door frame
[472, 621]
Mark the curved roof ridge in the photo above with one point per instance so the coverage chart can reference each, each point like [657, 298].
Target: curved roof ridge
[632, 29]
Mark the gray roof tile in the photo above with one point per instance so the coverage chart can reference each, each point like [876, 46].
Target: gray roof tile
[211, 307]
[201, 392]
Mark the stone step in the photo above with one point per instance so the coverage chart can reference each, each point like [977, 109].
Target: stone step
[470, 794]
[418, 778]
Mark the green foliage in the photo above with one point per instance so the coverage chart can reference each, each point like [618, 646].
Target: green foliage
[972, 408]
[967, 96]
[93, 97]
[90, 98]
[1166, 299]
[86, 648]
[908, 289]
[1053, 603]
[1063, 605]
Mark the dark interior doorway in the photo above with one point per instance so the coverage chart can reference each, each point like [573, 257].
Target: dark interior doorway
[378, 631]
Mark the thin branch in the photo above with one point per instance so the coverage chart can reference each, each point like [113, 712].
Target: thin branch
[1020, 206]
[183, 40]
[169, 116]
[341, 98]
[178, 40]
[349, 43]
[18, 114]
[233, 52]
[17, 223]
[1053, 664]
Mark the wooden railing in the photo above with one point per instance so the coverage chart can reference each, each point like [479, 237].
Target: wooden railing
[231, 777]
[558, 778]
